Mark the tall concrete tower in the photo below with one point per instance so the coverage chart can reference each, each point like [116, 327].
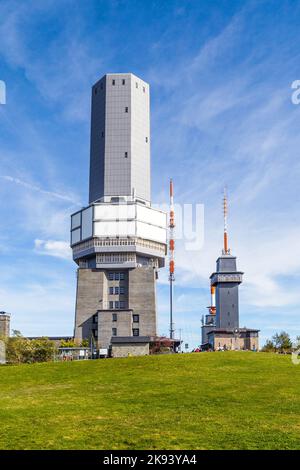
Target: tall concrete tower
[119, 240]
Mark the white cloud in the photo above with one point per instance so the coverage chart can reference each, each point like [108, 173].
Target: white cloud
[59, 249]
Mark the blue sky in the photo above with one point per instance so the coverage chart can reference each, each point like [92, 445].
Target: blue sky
[220, 75]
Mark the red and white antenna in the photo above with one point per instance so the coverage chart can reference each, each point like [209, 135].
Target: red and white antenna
[171, 255]
[226, 250]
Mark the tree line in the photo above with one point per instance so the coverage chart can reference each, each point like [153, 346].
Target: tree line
[281, 343]
[20, 350]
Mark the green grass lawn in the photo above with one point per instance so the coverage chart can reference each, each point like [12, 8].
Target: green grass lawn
[232, 400]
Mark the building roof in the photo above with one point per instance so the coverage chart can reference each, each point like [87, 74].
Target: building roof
[232, 331]
[130, 339]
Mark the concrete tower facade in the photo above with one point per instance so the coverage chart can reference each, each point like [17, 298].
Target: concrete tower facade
[119, 240]
[4, 325]
[226, 281]
[120, 138]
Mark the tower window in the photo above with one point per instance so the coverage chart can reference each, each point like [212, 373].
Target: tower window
[126, 109]
[123, 82]
[101, 86]
[146, 139]
[136, 332]
[96, 91]
[126, 154]
[102, 134]
[114, 331]
[136, 85]
[114, 317]
[113, 82]
[136, 318]
[144, 89]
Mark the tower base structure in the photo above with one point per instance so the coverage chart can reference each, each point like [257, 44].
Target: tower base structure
[98, 318]
[119, 248]
[240, 339]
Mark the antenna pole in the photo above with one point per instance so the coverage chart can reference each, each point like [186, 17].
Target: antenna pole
[171, 256]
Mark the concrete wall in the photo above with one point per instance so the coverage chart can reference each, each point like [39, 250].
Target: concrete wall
[4, 325]
[106, 324]
[93, 299]
[234, 343]
[142, 298]
[125, 350]
[91, 293]
[227, 303]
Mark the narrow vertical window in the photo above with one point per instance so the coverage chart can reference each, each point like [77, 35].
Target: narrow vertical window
[114, 82]
[114, 331]
[123, 82]
[146, 139]
[126, 109]
[126, 154]
[136, 85]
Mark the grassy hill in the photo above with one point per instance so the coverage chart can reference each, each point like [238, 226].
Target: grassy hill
[232, 400]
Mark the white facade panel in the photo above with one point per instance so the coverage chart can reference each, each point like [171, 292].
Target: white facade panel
[151, 216]
[76, 220]
[151, 232]
[87, 223]
[114, 228]
[112, 211]
[75, 236]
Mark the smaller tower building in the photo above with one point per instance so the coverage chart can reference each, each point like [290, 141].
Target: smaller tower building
[220, 329]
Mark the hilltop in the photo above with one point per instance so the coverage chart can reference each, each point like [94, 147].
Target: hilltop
[232, 400]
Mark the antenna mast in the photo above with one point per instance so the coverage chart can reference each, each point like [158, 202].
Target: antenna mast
[226, 250]
[171, 256]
